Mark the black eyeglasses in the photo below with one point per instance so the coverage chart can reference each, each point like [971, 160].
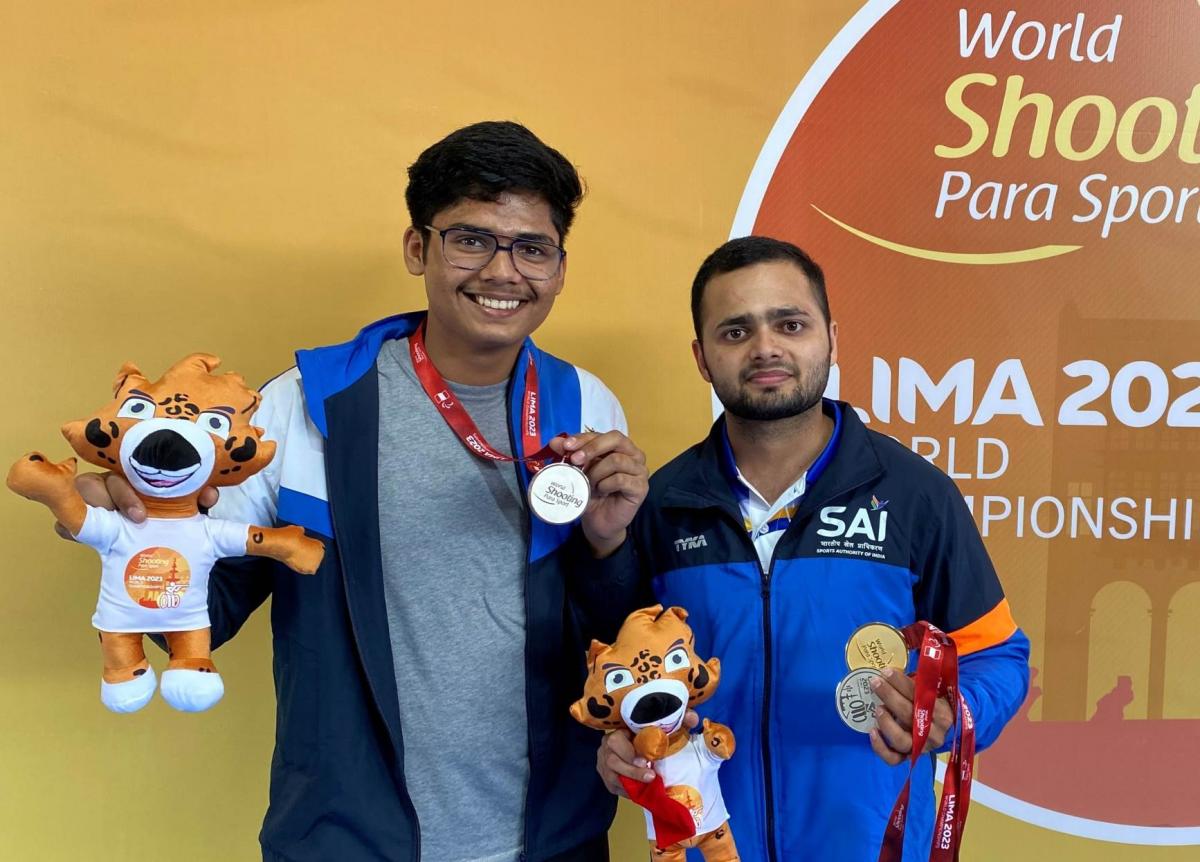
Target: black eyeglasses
[468, 248]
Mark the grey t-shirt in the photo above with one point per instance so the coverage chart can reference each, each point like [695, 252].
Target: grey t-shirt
[452, 534]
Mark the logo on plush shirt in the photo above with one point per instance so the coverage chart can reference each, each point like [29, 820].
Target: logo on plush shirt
[157, 578]
[877, 504]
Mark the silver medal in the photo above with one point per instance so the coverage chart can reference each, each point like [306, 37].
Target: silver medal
[559, 493]
[856, 701]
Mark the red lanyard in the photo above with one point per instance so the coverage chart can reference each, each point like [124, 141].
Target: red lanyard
[461, 422]
[937, 676]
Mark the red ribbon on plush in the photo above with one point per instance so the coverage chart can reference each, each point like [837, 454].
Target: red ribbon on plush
[672, 820]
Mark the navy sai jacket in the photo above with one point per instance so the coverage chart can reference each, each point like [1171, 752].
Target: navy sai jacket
[880, 535]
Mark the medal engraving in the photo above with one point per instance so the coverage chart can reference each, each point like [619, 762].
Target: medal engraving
[856, 701]
[878, 646]
[559, 493]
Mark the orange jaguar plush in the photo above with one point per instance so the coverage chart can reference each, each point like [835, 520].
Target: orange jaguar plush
[169, 439]
[646, 681]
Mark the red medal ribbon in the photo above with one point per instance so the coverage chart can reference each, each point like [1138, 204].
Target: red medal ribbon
[936, 676]
[463, 425]
[672, 820]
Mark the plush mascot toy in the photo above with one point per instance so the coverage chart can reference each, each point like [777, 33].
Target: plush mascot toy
[169, 439]
[646, 681]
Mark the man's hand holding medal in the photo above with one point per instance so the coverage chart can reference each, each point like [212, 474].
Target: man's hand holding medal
[901, 713]
[618, 480]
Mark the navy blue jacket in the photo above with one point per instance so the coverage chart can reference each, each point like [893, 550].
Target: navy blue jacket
[880, 535]
[337, 775]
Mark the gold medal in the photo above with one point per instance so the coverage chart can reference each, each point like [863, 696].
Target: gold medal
[877, 646]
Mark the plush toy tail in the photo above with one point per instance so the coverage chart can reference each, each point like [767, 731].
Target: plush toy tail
[672, 820]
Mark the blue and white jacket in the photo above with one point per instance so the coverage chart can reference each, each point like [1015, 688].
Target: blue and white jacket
[337, 776]
[879, 535]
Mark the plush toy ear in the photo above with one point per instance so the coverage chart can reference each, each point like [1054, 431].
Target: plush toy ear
[679, 612]
[651, 612]
[196, 362]
[128, 372]
[594, 650]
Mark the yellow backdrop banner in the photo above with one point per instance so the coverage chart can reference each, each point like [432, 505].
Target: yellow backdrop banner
[1007, 237]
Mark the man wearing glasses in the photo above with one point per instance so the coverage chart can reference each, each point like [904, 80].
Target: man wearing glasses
[423, 675]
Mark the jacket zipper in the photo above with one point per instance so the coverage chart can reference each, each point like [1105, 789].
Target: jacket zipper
[512, 442]
[802, 515]
[768, 780]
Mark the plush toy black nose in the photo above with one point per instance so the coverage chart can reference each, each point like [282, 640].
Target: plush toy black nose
[166, 450]
[654, 707]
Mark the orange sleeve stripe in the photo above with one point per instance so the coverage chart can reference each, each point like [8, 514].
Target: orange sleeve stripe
[996, 626]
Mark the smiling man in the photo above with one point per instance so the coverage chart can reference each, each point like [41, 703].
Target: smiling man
[424, 674]
[738, 530]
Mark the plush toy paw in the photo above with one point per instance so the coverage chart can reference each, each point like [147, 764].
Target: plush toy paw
[129, 696]
[305, 554]
[192, 690]
[38, 478]
[718, 739]
[651, 743]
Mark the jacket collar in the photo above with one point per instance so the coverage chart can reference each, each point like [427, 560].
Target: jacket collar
[326, 371]
[849, 461]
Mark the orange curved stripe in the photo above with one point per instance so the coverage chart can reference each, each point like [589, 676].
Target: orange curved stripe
[994, 627]
[992, 258]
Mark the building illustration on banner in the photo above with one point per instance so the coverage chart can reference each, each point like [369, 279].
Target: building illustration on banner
[1121, 614]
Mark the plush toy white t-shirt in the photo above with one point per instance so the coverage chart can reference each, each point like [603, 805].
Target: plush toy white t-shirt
[695, 766]
[155, 574]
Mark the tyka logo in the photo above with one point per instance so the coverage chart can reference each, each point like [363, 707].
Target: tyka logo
[691, 543]
[871, 523]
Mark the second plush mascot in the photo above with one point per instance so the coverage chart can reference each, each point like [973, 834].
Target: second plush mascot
[645, 681]
[169, 439]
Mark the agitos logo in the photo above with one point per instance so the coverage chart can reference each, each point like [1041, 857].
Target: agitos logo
[1006, 202]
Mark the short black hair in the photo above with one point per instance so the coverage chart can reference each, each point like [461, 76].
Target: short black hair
[748, 251]
[484, 160]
